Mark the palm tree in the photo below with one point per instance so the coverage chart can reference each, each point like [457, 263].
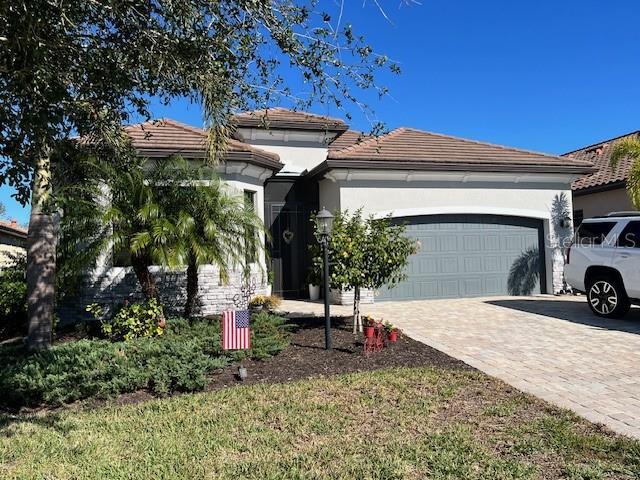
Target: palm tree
[168, 213]
[141, 228]
[215, 224]
[116, 208]
[629, 148]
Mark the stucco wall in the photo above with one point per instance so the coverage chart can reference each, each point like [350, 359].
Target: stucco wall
[602, 203]
[298, 150]
[471, 194]
[297, 158]
[329, 195]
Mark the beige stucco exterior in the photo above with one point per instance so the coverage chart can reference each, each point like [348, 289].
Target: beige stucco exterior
[402, 194]
[602, 203]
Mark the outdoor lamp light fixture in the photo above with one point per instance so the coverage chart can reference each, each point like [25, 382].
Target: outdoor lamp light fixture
[325, 223]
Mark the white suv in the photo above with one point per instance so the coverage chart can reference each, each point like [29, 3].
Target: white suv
[604, 262]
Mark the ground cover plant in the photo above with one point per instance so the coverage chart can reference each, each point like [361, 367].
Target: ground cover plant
[429, 422]
[178, 361]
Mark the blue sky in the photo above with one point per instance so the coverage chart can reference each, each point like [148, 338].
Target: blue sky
[549, 75]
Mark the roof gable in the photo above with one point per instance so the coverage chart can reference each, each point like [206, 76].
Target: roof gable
[600, 155]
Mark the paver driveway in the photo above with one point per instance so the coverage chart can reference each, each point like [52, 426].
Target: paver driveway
[552, 347]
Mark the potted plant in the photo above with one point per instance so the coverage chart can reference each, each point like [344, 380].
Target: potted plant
[392, 332]
[264, 302]
[313, 279]
[369, 325]
[257, 303]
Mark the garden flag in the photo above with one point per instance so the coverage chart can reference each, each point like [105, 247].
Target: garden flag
[236, 334]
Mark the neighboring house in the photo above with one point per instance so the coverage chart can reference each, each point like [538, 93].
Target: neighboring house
[604, 190]
[473, 207]
[13, 241]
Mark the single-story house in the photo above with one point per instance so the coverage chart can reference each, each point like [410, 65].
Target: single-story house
[13, 241]
[473, 207]
[603, 190]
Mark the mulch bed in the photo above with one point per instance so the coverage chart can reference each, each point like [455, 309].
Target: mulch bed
[306, 356]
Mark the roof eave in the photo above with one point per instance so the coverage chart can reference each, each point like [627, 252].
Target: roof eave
[252, 158]
[603, 187]
[11, 231]
[293, 126]
[330, 164]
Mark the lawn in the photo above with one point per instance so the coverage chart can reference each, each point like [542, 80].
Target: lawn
[433, 422]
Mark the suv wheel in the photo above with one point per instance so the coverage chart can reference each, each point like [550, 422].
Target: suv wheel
[607, 298]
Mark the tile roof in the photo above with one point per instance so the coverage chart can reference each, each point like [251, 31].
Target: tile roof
[285, 119]
[407, 148]
[600, 155]
[348, 139]
[165, 137]
[13, 228]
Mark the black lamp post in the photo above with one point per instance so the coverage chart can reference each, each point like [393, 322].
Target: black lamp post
[325, 223]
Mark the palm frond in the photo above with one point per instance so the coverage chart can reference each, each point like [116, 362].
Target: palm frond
[625, 148]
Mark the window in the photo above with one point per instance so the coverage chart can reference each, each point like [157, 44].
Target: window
[593, 233]
[578, 216]
[250, 234]
[630, 236]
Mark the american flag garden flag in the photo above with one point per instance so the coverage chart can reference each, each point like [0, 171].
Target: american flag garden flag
[236, 334]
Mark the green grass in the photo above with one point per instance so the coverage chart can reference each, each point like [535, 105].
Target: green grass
[402, 423]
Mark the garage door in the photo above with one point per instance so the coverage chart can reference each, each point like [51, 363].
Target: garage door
[465, 255]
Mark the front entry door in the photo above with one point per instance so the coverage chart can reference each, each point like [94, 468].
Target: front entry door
[289, 203]
[285, 249]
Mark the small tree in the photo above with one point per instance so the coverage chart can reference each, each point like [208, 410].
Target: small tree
[119, 210]
[366, 253]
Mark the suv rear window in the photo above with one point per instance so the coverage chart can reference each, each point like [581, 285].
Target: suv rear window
[593, 233]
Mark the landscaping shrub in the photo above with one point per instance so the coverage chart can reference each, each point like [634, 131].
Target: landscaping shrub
[131, 321]
[178, 361]
[269, 336]
[13, 298]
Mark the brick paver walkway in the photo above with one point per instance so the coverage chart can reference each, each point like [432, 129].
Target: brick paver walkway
[551, 347]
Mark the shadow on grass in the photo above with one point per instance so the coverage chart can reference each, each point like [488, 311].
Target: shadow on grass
[574, 312]
[49, 420]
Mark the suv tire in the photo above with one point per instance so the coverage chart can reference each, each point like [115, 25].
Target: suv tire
[607, 297]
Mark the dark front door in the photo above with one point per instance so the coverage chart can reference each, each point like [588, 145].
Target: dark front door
[289, 203]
